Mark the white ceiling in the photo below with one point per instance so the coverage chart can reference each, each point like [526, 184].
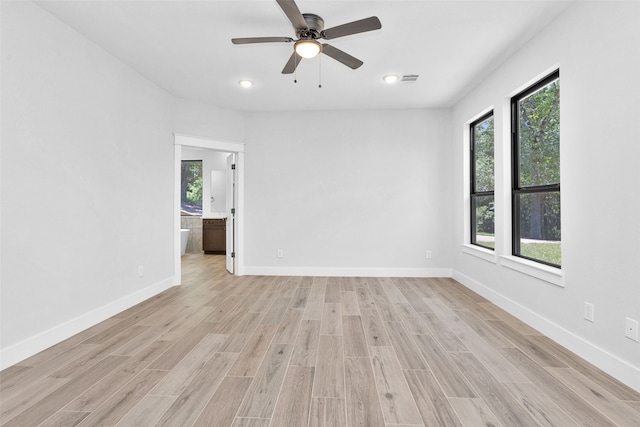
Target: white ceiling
[185, 48]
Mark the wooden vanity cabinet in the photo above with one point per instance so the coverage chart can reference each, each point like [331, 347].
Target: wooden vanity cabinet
[214, 236]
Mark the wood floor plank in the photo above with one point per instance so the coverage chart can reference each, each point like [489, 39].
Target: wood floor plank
[415, 300]
[528, 345]
[396, 400]
[180, 348]
[124, 400]
[393, 293]
[385, 308]
[263, 393]
[569, 401]
[327, 412]
[406, 350]
[374, 329]
[597, 396]
[450, 378]
[229, 323]
[251, 422]
[474, 412]
[125, 324]
[499, 367]
[539, 405]
[294, 402]
[431, 401]
[509, 319]
[288, 327]
[355, 343]
[90, 359]
[305, 349]
[187, 407]
[365, 299]
[331, 323]
[350, 306]
[347, 284]
[42, 409]
[363, 406]
[618, 389]
[315, 300]
[224, 404]
[443, 334]
[329, 380]
[276, 311]
[252, 354]
[299, 299]
[485, 329]
[239, 336]
[415, 326]
[18, 402]
[502, 404]
[445, 314]
[65, 418]
[332, 291]
[188, 368]
[96, 395]
[147, 412]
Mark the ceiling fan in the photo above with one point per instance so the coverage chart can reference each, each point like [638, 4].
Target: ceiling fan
[309, 28]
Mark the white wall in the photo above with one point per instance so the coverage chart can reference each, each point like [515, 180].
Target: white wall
[597, 47]
[196, 119]
[348, 193]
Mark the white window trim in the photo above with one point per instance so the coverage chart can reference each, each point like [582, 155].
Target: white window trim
[540, 271]
[480, 252]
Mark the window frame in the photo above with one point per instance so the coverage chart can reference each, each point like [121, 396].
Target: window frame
[516, 188]
[195, 213]
[474, 194]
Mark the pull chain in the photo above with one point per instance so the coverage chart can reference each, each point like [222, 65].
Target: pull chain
[320, 70]
[295, 69]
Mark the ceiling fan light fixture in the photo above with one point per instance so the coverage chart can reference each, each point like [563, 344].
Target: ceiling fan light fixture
[245, 83]
[307, 48]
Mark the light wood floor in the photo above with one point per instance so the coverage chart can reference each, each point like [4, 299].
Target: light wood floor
[311, 351]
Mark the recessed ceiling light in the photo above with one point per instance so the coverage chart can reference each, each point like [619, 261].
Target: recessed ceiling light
[390, 78]
[245, 83]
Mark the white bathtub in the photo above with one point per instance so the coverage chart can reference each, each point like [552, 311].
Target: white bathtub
[184, 238]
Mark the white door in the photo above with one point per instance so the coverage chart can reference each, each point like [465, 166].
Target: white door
[231, 211]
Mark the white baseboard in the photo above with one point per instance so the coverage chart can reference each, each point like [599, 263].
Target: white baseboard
[611, 364]
[17, 352]
[347, 272]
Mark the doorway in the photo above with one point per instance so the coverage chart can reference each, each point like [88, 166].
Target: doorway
[237, 149]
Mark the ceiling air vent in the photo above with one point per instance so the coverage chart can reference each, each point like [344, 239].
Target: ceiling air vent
[409, 77]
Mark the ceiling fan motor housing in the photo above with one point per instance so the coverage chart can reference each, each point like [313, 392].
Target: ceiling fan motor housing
[315, 25]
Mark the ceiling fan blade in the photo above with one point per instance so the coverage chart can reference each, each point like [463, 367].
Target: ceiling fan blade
[341, 56]
[292, 64]
[290, 9]
[355, 27]
[247, 40]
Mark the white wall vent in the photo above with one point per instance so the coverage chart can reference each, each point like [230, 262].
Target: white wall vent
[410, 77]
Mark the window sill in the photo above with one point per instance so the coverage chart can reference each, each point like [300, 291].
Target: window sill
[539, 271]
[482, 253]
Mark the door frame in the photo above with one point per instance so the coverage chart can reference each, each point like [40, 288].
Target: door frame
[183, 140]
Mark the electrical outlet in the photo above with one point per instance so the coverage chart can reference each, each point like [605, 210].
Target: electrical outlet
[631, 328]
[280, 253]
[588, 311]
[140, 271]
[428, 254]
